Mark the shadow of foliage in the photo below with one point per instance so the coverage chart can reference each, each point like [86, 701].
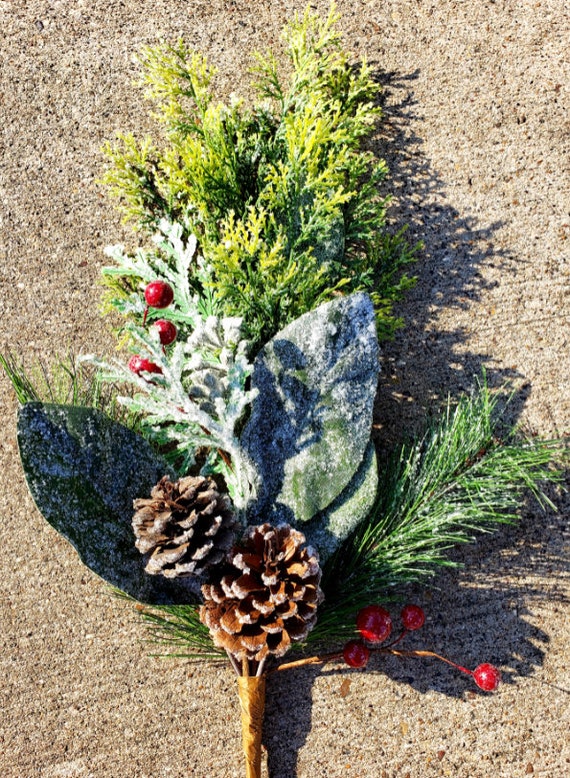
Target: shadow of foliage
[484, 612]
[424, 364]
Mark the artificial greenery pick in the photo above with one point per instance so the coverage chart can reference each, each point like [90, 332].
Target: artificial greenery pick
[220, 471]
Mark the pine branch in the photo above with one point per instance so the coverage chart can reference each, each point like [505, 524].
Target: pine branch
[65, 382]
[178, 628]
[458, 480]
[21, 381]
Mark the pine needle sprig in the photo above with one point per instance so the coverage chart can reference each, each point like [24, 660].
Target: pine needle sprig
[22, 382]
[65, 382]
[466, 475]
[458, 480]
[178, 628]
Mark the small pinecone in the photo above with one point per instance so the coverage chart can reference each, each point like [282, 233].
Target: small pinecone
[185, 527]
[268, 596]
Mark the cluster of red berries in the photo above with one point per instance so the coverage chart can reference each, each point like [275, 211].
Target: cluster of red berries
[157, 294]
[375, 626]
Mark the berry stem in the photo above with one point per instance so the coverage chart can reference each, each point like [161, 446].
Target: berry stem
[323, 658]
[400, 637]
[400, 652]
[311, 660]
[145, 315]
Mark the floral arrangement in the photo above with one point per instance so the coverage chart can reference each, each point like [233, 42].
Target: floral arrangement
[221, 470]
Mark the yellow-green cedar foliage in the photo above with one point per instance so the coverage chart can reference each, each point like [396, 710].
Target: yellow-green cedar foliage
[281, 196]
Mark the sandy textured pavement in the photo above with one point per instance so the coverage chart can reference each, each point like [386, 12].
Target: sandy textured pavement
[477, 134]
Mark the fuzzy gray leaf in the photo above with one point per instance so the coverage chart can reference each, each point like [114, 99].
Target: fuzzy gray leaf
[329, 528]
[83, 471]
[310, 423]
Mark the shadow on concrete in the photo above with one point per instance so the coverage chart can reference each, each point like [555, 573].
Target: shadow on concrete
[424, 364]
[485, 612]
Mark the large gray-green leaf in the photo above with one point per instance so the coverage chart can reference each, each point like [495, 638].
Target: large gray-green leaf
[310, 423]
[328, 529]
[83, 471]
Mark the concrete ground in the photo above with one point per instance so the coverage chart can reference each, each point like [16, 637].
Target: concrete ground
[477, 135]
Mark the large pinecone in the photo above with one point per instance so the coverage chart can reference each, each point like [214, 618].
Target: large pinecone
[267, 597]
[185, 526]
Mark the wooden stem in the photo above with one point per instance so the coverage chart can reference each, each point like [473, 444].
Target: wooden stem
[311, 660]
[233, 662]
[251, 691]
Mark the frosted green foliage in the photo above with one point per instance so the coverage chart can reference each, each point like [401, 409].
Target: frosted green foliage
[217, 368]
[310, 422]
[282, 195]
[175, 261]
[329, 528]
[84, 471]
[196, 401]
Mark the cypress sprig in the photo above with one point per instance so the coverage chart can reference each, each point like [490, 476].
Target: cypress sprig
[281, 195]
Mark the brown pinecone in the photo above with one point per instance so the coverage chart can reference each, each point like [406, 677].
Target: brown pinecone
[185, 526]
[267, 597]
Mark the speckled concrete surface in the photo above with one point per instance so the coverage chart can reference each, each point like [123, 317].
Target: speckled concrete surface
[477, 134]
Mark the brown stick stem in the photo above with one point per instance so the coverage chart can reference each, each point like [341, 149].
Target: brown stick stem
[252, 702]
[233, 662]
[400, 652]
[311, 660]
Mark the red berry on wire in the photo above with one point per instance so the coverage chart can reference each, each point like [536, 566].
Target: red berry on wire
[158, 294]
[356, 654]
[138, 365]
[487, 677]
[413, 617]
[374, 623]
[167, 332]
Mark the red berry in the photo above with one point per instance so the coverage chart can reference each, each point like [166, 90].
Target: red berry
[355, 654]
[158, 294]
[138, 365]
[167, 332]
[413, 617]
[487, 677]
[374, 623]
